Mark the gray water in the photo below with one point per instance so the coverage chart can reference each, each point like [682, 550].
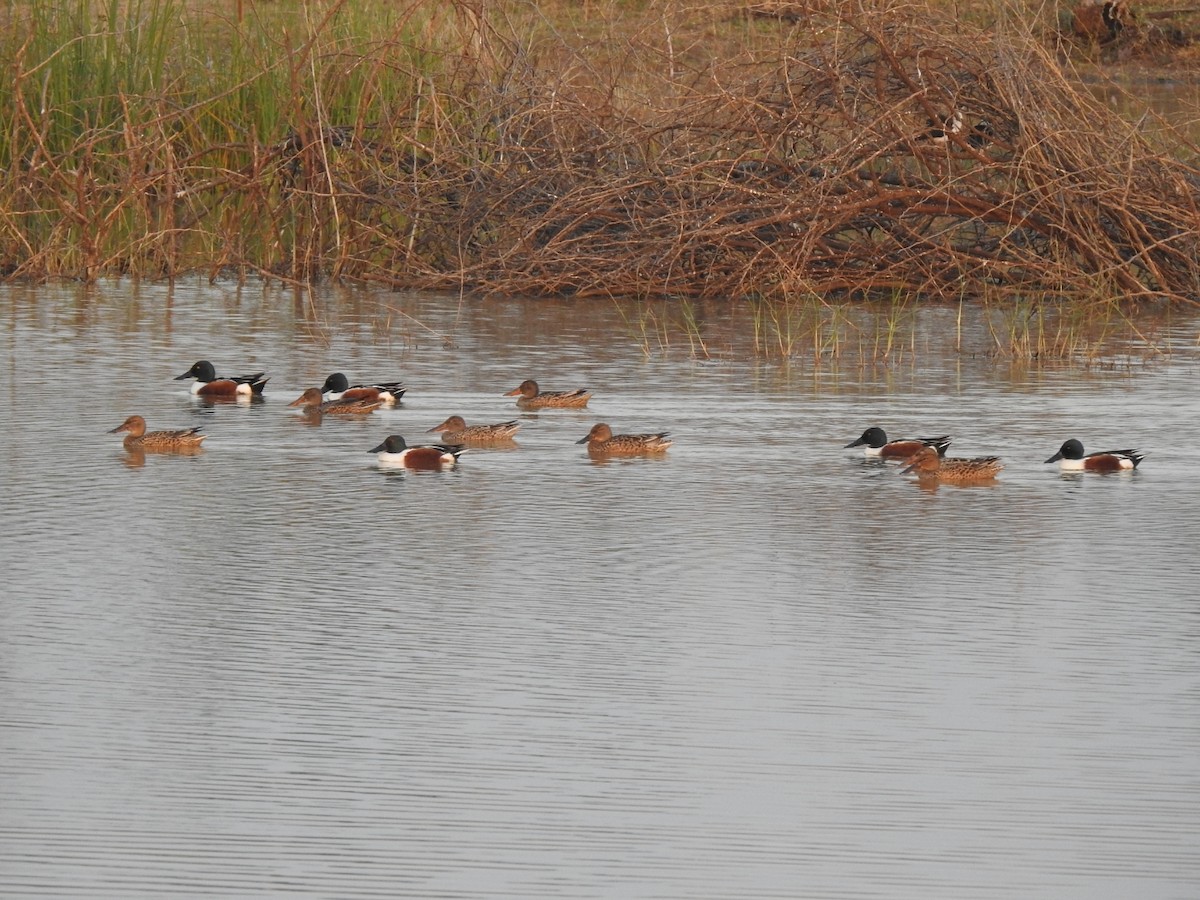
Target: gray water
[761, 666]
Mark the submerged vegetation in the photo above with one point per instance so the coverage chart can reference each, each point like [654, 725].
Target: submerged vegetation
[1097, 334]
[866, 150]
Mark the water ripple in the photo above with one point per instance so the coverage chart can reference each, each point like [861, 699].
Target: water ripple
[761, 666]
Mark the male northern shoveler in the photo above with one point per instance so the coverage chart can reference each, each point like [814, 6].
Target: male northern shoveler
[139, 439]
[394, 451]
[1072, 459]
[602, 441]
[877, 444]
[929, 466]
[209, 385]
[939, 132]
[338, 387]
[455, 430]
[530, 397]
[311, 400]
[981, 134]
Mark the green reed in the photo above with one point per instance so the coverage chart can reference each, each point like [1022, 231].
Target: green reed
[804, 324]
[644, 325]
[894, 327]
[1046, 328]
[609, 150]
[656, 325]
[150, 135]
[693, 328]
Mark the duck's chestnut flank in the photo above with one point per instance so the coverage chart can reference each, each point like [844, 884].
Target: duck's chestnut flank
[1071, 458]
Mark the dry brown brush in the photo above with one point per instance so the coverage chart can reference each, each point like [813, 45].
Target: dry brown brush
[883, 155]
[867, 152]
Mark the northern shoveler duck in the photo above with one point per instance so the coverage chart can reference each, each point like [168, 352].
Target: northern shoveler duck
[1071, 458]
[929, 466]
[455, 430]
[877, 444]
[338, 387]
[1115, 15]
[601, 440]
[311, 400]
[139, 439]
[209, 385]
[530, 397]
[394, 451]
[981, 134]
[939, 132]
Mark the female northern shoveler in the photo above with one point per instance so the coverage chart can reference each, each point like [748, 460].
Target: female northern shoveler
[394, 451]
[601, 440]
[928, 465]
[311, 400]
[338, 387]
[455, 430]
[877, 444]
[209, 385]
[139, 439]
[530, 397]
[1072, 459]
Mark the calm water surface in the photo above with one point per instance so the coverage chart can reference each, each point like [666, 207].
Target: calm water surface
[758, 667]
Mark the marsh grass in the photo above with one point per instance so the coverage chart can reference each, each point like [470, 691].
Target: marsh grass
[595, 151]
[814, 327]
[813, 331]
[644, 326]
[1052, 329]
[659, 326]
[1036, 330]
[694, 329]
[895, 328]
[152, 136]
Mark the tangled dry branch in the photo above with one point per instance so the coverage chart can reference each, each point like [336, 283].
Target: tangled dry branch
[854, 149]
[889, 155]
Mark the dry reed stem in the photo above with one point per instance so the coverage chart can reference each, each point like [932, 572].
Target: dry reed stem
[863, 151]
[816, 171]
